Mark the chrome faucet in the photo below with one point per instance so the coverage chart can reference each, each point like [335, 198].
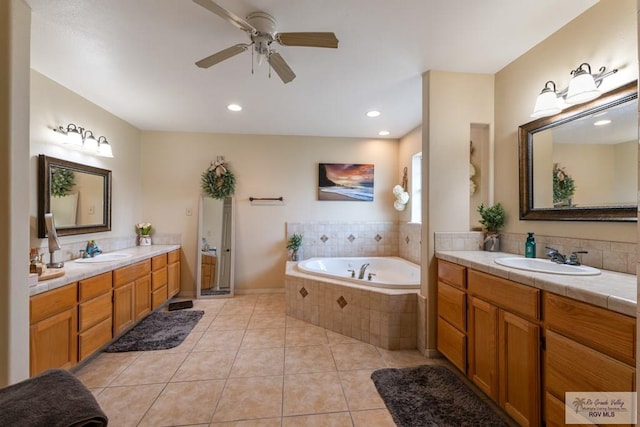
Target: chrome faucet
[557, 257]
[363, 268]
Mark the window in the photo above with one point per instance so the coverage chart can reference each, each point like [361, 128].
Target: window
[416, 188]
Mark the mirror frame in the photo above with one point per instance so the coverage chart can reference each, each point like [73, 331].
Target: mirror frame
[231, 251]
[627, 213]
[45, 163]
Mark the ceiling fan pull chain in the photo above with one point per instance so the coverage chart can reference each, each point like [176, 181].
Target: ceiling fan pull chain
[251, 61]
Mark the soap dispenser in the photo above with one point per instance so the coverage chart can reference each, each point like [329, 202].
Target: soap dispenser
[530, 246]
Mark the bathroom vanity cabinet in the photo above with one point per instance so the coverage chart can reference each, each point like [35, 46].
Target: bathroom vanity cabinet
[173, 273]
[53, 340]
[71, 322]
[525, 347]
[208, 271]
[131, 295]
[95, 313]
[158, 281]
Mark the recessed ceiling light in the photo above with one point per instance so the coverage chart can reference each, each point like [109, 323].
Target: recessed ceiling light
[384, 133]
[602, 122]
[373, 113]
[234, 107]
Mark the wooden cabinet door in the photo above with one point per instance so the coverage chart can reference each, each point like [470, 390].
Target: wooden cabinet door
[173, 279]
[54, 342]
[142, 297]
[483, 345]
[519, 364]
[123, 310]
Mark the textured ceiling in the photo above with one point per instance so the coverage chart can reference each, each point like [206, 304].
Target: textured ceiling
[135, 58]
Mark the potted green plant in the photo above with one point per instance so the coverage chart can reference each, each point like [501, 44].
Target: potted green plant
[492, 220]
[294, 244]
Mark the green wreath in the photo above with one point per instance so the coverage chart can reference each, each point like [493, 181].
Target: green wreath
[62, 180]
[218, 181]
[563, 185]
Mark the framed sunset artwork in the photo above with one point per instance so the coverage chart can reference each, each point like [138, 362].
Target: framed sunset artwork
[345, 182]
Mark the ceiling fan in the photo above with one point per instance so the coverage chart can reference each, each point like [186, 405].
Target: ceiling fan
[261, 29]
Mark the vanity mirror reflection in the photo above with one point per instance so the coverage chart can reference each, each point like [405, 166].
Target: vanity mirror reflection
[78, 196]
[215, 248]
[581, 164]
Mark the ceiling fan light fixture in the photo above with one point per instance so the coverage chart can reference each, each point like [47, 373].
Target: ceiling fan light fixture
[234, 107]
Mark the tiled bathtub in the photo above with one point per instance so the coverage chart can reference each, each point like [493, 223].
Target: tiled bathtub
[381, 317]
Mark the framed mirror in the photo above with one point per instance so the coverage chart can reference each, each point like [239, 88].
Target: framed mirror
[78, 196]
[216, 241]
[581, 164]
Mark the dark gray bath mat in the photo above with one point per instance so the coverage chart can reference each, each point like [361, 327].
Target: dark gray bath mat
[432, 396]
[158, 331]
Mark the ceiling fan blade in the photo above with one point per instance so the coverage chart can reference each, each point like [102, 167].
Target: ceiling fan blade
[279, 65]
[308, 39]
[222, 55]
[228, 16]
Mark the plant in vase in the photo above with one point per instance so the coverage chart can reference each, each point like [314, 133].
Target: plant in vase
[492, 220]
[293, 244]
[144, 230]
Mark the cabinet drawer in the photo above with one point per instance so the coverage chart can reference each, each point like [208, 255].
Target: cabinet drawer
[94, 311]
[453, 344]
[570, 366]
[52, 302]
[94, 338]
[94, 286]
[173, 256]
[607, 331]
[157, 262]
[452, 306]
[158, 297]
[506, 294]
[452, 274]
[158, 279]
[130, 273]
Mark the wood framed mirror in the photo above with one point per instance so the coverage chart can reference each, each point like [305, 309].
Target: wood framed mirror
[572, 169]
[79, 196]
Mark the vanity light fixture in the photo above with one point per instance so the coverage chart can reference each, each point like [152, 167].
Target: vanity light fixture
[583, 87]
[79, 137]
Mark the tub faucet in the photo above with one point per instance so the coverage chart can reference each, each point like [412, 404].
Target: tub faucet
[363, 268]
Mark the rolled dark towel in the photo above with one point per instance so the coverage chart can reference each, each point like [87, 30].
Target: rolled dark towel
[54, 398]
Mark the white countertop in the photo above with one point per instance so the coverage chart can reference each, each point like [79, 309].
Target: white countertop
[610, 289]
[75, 271]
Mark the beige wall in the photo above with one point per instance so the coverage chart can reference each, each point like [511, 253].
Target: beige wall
[410, 144]
[603, 173]
[53, 105]
[604, 35]
[264, 166]
[15, 25]
[452, 102]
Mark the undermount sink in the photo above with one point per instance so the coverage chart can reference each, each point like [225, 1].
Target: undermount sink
[105, 258]
[540, 265]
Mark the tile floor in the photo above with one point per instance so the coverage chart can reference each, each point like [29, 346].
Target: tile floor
[246, 364]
